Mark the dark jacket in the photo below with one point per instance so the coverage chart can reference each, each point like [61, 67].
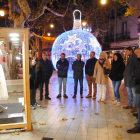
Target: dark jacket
[118, 68]
[46, 69]
[34, 77]
[89, 68]
[77, 67]
[63, 68]
[137, 77]
[130, 70]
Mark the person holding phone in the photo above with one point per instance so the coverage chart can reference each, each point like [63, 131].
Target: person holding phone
[34, 81]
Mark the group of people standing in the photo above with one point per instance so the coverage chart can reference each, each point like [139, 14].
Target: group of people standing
[94, 74]
[95, 70]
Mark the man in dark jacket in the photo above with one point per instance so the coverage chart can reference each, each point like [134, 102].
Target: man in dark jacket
[129, 78]
[136, 129]
[77, 67]
[46, 70]
[89, 70]
[62, 66]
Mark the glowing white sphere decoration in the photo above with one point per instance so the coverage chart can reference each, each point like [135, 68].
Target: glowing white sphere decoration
[75, 42]
[72, 43]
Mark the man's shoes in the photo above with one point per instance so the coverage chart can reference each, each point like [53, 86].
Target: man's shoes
[135, 114]
[128, 107]
[81, 96]
[41, 99]
[36, 104]
[58, 96]
[74, 96]
[65, 96]
[94, 97]
[88, 96]
[134, 130]
[33, 107]
[134, 109]
[48, 98]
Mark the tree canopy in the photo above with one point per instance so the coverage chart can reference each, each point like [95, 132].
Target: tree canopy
[133, 7]
[37, 13]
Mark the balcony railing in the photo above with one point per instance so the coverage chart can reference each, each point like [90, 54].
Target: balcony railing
[119, 37]
[122, 36]
[109, 39]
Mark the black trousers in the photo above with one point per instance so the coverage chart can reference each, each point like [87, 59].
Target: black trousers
[46, 81]
[32, 96]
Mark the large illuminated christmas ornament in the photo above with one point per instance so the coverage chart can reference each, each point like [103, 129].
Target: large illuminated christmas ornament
[75, 42]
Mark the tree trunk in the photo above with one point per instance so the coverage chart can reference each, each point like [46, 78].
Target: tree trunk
[14, 63]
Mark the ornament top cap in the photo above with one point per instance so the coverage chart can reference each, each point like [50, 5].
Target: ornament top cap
[77, 22]
[74, 14]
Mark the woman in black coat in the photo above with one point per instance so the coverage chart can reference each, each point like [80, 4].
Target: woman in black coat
[34, 81]
[116, 76]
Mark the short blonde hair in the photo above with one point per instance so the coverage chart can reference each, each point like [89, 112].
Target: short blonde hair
[104, 55]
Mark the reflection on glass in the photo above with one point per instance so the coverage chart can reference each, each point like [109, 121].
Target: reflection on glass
[11, 81]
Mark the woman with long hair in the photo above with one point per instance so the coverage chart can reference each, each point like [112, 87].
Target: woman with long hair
[116, 76]
[101, 77]
[34, 81]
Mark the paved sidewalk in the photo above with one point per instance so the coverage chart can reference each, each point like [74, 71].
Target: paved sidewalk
[93, 120]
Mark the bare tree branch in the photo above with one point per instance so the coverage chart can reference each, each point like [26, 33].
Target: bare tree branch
[40, 11]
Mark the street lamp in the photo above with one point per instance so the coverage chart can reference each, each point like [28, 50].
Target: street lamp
[51, 25]
[2, 13]
[103, 1]
[48, 34]
[84, 23]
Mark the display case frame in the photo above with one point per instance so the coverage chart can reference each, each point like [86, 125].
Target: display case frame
[26, 90]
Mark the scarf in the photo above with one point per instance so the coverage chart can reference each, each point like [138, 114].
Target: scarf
[101, 62]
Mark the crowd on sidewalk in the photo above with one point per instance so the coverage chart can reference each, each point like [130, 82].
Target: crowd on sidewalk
[97, 72]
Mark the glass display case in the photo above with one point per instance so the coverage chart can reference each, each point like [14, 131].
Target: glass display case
[14, 79]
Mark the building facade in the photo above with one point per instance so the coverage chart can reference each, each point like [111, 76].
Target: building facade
[123, 32]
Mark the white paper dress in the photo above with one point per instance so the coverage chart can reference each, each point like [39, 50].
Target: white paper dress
[3, 87]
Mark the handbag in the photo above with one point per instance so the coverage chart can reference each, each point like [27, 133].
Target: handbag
[106, 71]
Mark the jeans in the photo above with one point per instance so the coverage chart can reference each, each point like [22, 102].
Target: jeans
[64, 81]
[46, 81]
[138, 106]
[75, 86]
[116, 86]
[132, 95]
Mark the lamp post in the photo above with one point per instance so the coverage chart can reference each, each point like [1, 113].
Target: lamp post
[139, 30]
